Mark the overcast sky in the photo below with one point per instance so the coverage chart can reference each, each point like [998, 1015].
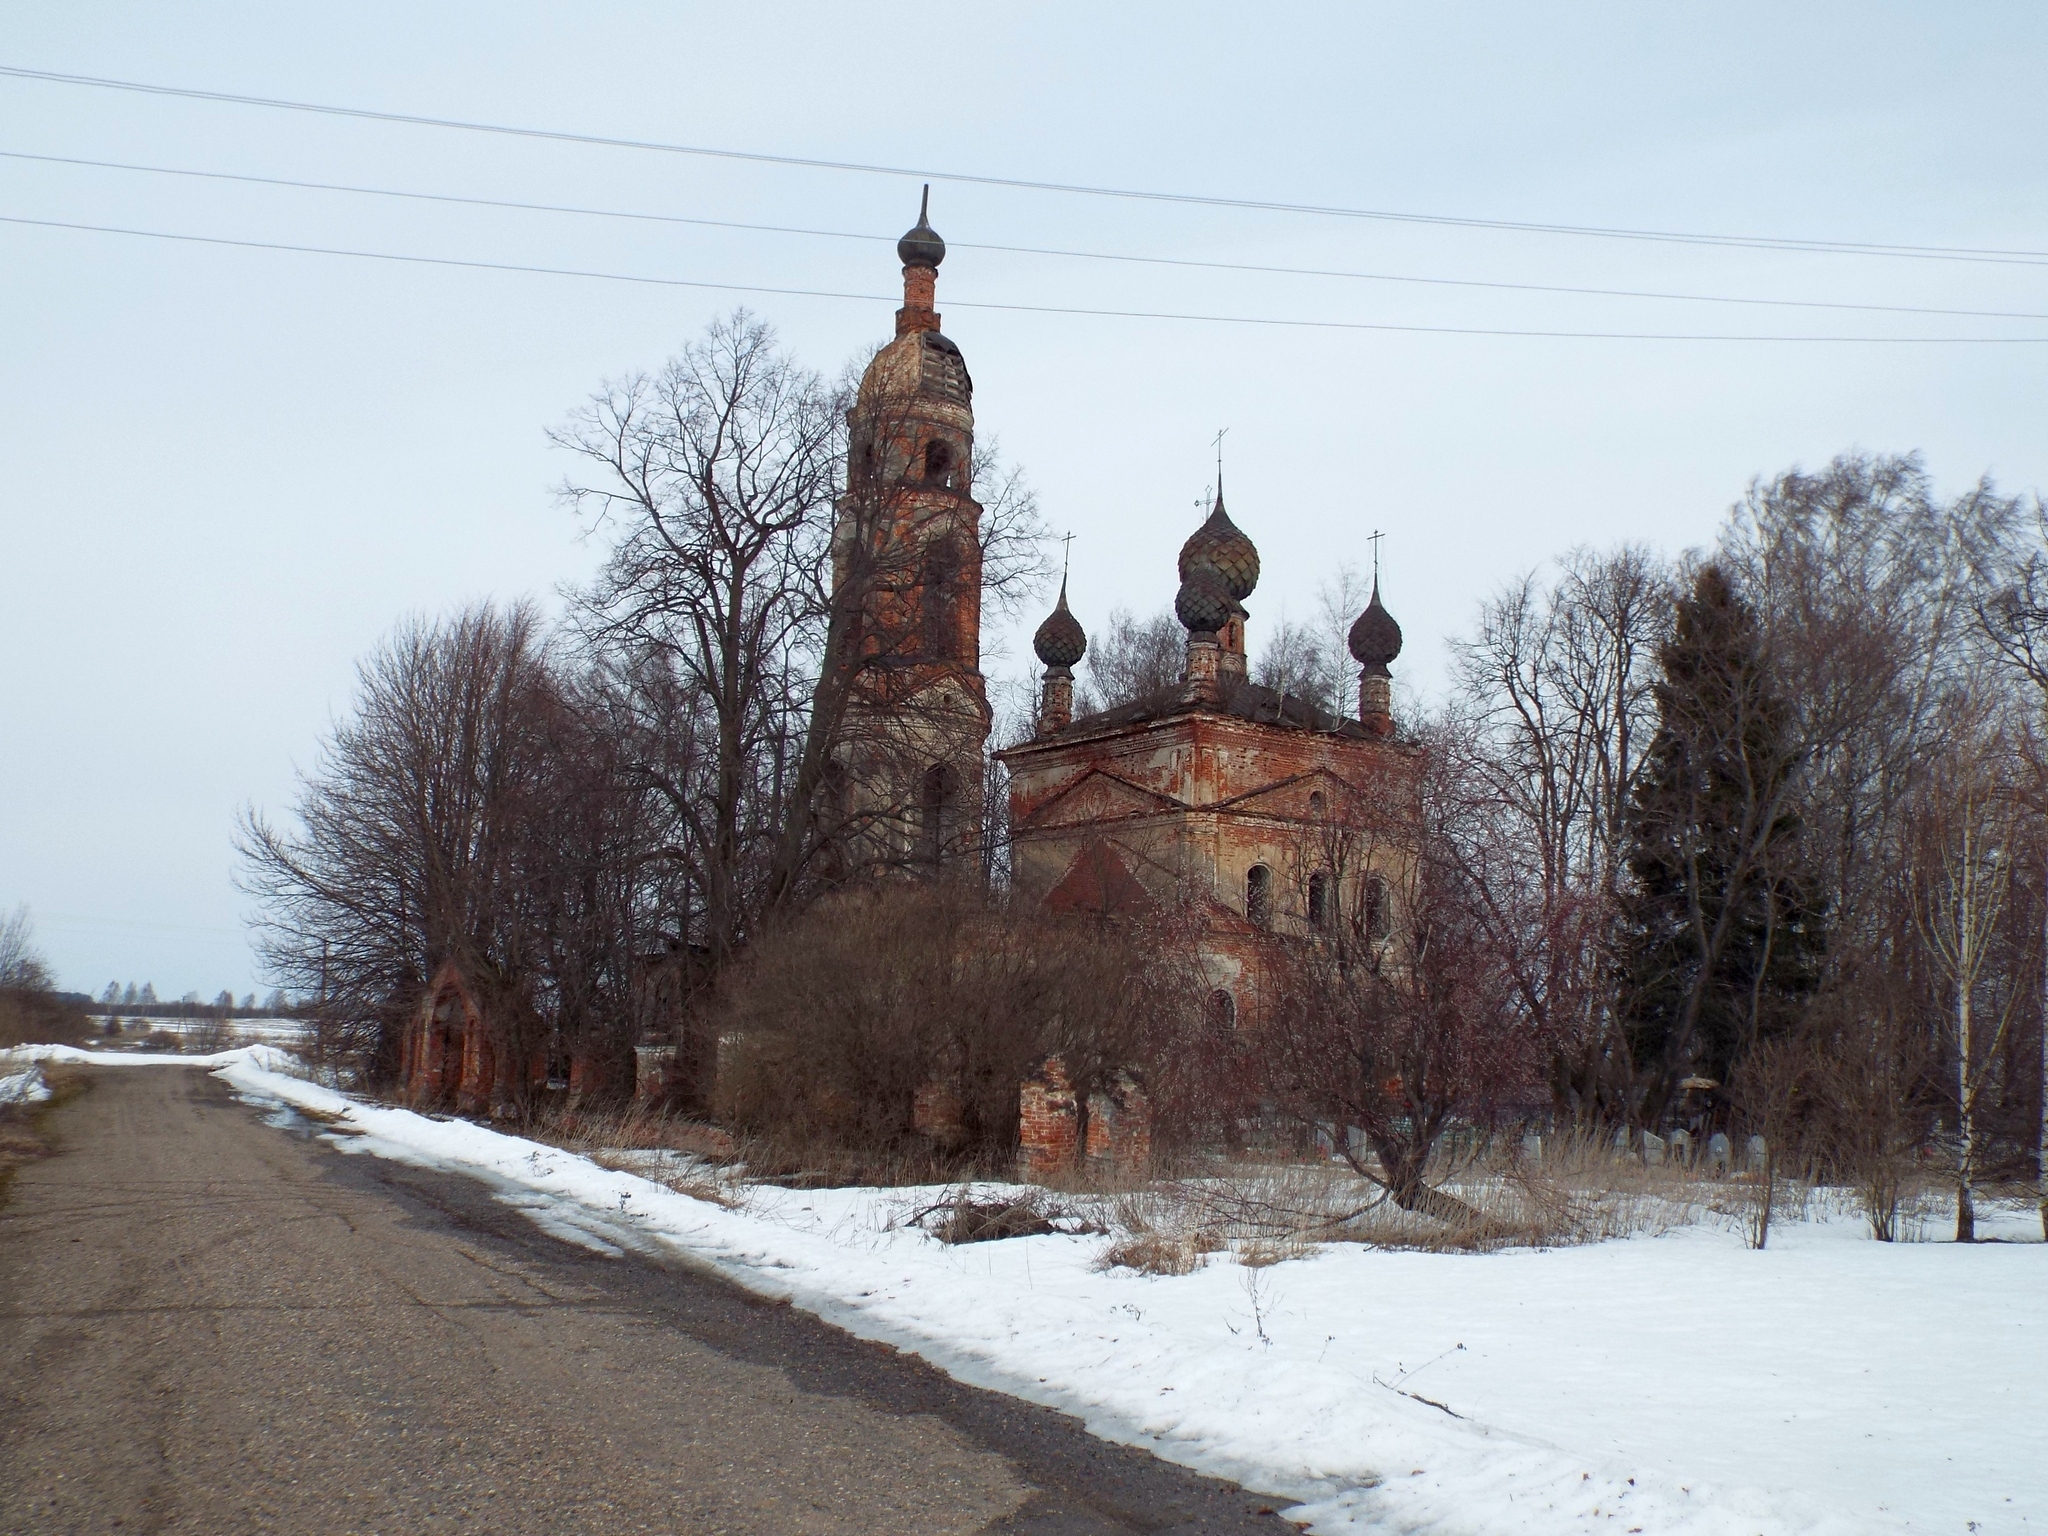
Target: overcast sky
[227, 472]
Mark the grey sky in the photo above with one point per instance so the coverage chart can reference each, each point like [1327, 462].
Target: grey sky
[228, 471]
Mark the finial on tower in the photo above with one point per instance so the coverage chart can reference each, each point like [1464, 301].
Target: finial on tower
[921, 246]
[1374, 641]
[921, 251]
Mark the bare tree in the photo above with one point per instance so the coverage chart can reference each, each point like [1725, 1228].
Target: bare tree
[1968, 837]
[2015, 621]
[462, 811]
[1390, 1021]
[21, 964]
[1310, 659]
[1555, 709]
[1130, 659]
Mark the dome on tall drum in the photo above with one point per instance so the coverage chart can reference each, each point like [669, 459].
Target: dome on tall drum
[1375, 638]
[1220, 548]
[1060, 641]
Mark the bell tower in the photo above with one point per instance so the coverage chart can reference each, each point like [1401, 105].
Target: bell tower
[907, 561]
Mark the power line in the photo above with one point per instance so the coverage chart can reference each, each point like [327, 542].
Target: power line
[603, 141]
[460, 200]
[1031, 309]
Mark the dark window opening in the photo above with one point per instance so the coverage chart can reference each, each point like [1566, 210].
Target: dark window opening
[938, 584]
[1378, 920]
[1315, 805]
[1258, 894]
[938, 462]
[936, 798]
[1220, 1013]
[1319, 900]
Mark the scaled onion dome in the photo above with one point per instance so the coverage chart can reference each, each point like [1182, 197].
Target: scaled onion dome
[1220, 548]
[922, 247]
[1203, 604]
[1060, 641]
[1375, 637]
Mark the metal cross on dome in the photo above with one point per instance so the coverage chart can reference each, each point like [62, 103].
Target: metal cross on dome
[1375, 536]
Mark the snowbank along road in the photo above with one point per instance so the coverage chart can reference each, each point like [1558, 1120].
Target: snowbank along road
[212, 1324]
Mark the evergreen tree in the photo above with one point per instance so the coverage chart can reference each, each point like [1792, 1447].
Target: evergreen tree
[1722, 931]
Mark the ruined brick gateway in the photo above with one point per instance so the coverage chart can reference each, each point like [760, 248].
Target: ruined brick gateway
[1213, 794]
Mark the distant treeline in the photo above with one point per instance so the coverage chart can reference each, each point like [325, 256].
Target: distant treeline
[141, 1002]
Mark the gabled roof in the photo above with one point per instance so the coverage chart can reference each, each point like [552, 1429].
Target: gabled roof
[1098, 881]
[1097, 795]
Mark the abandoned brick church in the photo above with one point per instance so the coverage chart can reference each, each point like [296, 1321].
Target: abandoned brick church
[1212, 793]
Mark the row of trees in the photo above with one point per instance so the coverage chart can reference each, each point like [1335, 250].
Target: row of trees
[143, 1002]
[1758, 837]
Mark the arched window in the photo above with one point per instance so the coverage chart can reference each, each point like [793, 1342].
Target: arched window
[938, 586]
[1315, 805]
[1258, 894]
[1319, 913]
[938, 462]
[1220, 1013]
[936, 797]
[1379, 919]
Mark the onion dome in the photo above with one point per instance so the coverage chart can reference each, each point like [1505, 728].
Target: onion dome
[1060, 641]
[1220, 548]
[1203, 604]
[922, 247]
[1375, 637]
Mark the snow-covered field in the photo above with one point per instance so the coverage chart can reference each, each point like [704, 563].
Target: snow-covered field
[254, 1031]
[1679, 1383]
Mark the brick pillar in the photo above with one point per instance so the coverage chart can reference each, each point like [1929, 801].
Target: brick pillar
[1120, 1126]
[652, 1065]
[938, 1110]
[1047, 1121]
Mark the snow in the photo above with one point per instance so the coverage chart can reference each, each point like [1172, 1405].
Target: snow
[1679, 1383]
[24, 1087]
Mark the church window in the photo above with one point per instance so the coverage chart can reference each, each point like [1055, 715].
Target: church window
[1378, 913]
[937, 583]
[937, 795]
[1258, 894]
[1315, 805]
[938, 462]
[1319, 900]
[1220, 1013]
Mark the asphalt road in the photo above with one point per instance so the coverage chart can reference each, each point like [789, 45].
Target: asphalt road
[212, 1324]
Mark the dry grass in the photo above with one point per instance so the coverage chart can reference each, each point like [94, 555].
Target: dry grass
[1152, 1253]
[687, 1156]
[1269, 1211]
[25, 1134]
[962, 1216]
